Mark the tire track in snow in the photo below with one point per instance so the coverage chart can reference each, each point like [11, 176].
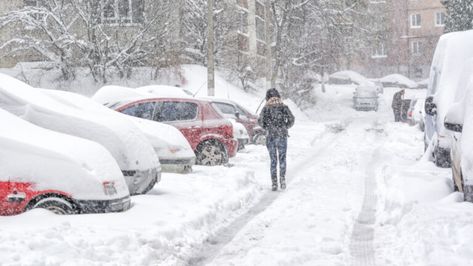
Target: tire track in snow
[362, 239]
[214, 244]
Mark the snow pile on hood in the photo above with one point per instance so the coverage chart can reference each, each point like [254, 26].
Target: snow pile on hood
[55, 161]
[123, 140]
[349, 77]
[398, 80]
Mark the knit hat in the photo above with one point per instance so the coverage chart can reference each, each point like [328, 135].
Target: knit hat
[272, 93]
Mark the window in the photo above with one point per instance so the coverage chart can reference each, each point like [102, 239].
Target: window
[243, 44]
[416, 21]
[225, 108]
[260, 29]
[31, 2]
[416, 48]
[259, 9]
[243, 16]
[440, 19]
[122, 11]
[379, 51]
[176, 111]
[141, 110]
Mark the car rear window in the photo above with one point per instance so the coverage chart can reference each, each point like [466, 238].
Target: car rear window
[224, 108]
[176, 111]
[141, 110]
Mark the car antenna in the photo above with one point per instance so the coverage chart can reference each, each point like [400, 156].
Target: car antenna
[201, 86]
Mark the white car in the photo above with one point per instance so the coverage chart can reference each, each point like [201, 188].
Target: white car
[451, 55]
[173, 149]
[365, 98]
[127, 144]
[459, 122]
[240, 133]
[41, 168]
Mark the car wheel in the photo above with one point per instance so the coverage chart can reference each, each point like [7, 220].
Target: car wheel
[259, 139]
[210, 153]
[441, 159]
[150, 186]
[56, 205]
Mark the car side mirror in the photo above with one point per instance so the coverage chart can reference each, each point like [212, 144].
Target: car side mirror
[237, 115]
[430, 106]
[454, 118]
[453, 127]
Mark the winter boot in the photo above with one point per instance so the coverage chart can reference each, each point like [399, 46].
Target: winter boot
[283, 182]
[275, 183]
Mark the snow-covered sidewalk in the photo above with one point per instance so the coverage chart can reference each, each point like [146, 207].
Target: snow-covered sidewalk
[162, 228]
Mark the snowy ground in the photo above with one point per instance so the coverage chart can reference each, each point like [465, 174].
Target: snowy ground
[358, 193]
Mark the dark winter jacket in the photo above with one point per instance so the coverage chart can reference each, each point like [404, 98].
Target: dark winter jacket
[276, 118]
[397, 101]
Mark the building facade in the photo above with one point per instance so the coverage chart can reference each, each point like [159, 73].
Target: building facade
[408, 31]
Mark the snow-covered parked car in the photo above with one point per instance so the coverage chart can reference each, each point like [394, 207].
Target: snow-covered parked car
[398, 81]
[415, 114]
[40, 168]
[127, 144]
[209, 134]
[173, 150]
[232, 110]
[240, 133]
[348, 77]
[365, 98]
[459, 123]
[451, 55]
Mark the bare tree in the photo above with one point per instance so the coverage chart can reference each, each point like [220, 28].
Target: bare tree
[106, 36]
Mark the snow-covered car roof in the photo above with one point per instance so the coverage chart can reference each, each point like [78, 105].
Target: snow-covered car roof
[115, 96]
[165, 91]
[166, 140]
[123, 140]
[56, 161]
[399, 80]
[351, 77]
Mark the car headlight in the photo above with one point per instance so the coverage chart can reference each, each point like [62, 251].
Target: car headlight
[109, 188]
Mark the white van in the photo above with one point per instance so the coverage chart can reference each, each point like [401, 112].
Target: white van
[452, 52]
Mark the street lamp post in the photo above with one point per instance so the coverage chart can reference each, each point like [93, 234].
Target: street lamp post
[210, 49]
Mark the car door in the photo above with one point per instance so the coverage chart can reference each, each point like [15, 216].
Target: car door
[184, 115]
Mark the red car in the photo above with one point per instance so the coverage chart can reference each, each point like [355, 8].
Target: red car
[208, 132]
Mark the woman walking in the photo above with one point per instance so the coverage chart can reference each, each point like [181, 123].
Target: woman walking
[276, 119]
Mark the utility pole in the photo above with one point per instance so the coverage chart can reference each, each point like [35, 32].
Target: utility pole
[269, 47]
[210, 49]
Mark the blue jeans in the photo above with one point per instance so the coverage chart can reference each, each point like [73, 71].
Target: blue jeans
[277, 147]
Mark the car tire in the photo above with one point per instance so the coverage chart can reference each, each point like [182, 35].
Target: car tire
[149, 187]
[441, 159]
[56, 205]
[211, 153]
[259, 139]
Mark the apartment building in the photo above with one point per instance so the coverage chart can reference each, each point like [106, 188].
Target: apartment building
[426, 20]
[408, 33]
